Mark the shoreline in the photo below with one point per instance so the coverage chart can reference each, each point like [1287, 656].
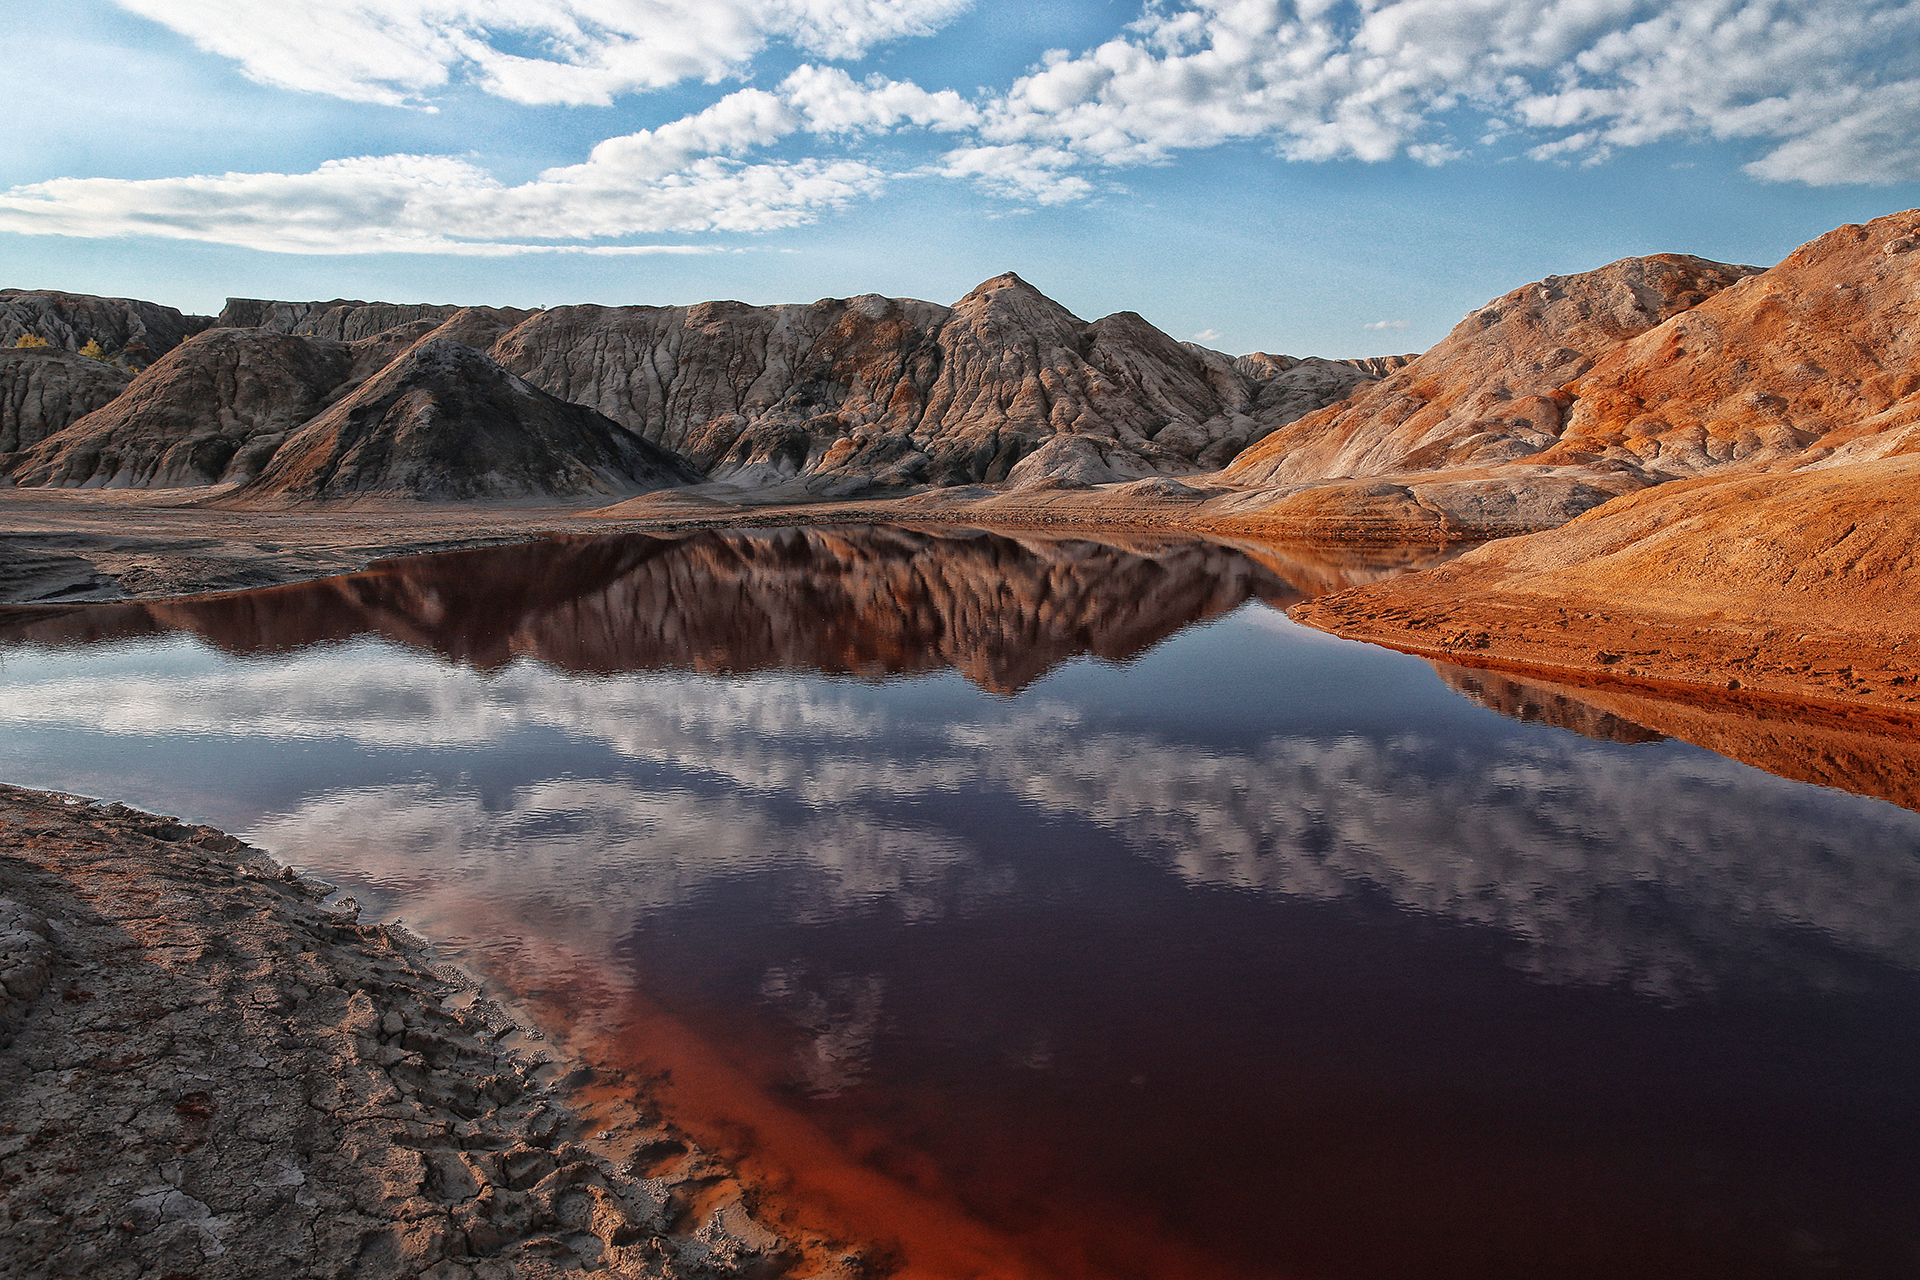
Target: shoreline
[205, 1070]
[71, 548]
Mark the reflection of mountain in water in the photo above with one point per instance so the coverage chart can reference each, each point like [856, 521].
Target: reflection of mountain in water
[1829, 749]
[862, 600]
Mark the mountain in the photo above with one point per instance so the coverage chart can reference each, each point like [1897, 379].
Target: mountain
[43, 389]
[838, 398]
[212, 409]
[443, 421]
[341, 320]
[851, 396]
[140, 330]
[1785, 563]
[1494, 389]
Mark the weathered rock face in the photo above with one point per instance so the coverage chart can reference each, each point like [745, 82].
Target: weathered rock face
[445, 422]
[1492, 390]
[71, 320]
[867, 394]
[1817, 358]
[342, 320]
[42, 389]
[211, 409]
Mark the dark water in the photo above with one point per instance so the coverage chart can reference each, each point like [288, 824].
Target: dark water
[1060, 909]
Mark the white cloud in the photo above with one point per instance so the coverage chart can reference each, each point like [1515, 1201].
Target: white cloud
[1019, 172]
[681, 177]
[1834, 87]
[576, 52]
[1385, 324]
[1830, 91]
[1206, 336]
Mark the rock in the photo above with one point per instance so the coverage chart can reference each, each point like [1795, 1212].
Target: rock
[1799, 585]
[340, 320]
[445, 422]
[72, 320]
[43, 389]
[1081, 461]
[211, 409]
[1495, 389]
[866, 395]
[234, 1081]
[1816, 358]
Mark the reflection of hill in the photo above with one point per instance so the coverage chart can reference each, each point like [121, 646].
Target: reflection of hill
[1848, 752]
[863, 600]
[1545, 704]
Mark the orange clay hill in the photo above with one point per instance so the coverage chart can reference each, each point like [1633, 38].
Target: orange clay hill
[1783, 563]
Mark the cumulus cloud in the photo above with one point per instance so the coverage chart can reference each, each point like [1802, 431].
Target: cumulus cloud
[685, 176]
[688, 175]
[575, 52]
[1385, 324]
[1836, 86]
[1206, 336]
[1828, 93]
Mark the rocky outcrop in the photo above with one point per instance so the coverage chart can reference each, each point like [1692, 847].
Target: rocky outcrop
[443, 421]
[863, 395]
[1816, 360]
[212, 409]
[141, 331]
[43, 389]
[1495, 389]
[1799, 585]
[341, 320]
[206, 1072]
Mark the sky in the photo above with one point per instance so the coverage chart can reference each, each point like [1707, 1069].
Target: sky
[1314, 177]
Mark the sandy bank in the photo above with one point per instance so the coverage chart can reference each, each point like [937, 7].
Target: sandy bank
[1793, 585]
[204, 1071]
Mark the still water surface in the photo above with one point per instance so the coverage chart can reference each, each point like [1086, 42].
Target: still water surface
[1059, 909]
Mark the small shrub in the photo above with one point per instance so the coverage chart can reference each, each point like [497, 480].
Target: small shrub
[93, 350]
[31, 340]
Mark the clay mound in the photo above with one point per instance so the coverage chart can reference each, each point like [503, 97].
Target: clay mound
[141, 330]
[445, 422]
[1817, 355]
[212, 410]
[1800, 585]
[43, 389]
[1491, 391]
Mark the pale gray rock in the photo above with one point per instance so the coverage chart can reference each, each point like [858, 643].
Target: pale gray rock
[43, 389]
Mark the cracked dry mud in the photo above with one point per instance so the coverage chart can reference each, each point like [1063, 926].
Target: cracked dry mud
[205, 1072]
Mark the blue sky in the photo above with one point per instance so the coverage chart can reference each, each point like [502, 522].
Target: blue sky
[1314, 177]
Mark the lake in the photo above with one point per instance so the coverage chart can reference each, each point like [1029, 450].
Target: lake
[1054, 907]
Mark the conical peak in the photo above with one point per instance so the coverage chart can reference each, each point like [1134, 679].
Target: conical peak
[1008, 299]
